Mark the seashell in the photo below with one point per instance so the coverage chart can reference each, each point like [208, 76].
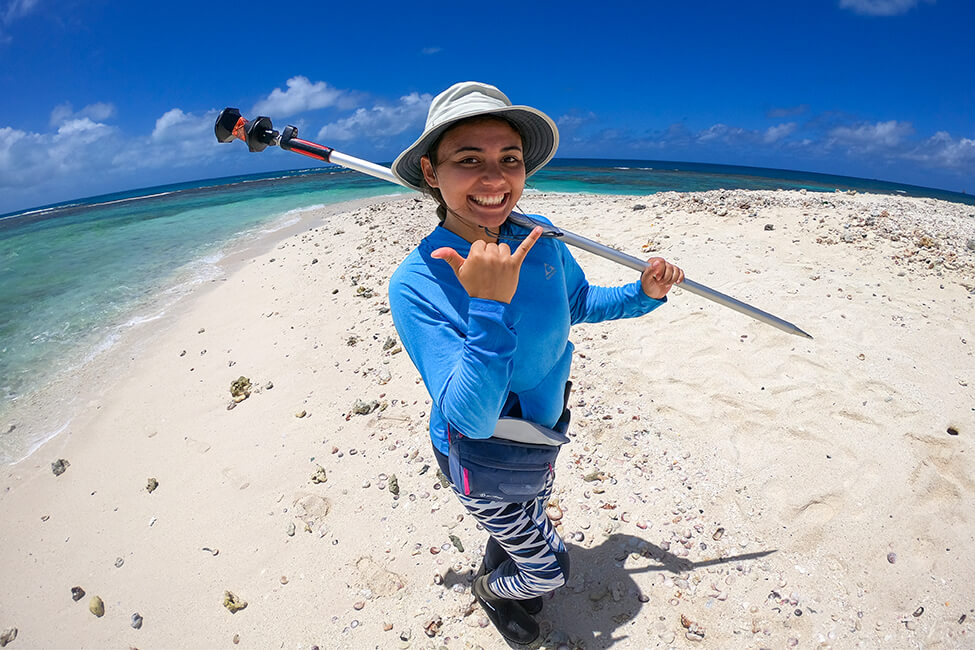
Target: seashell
[96, 606]
[718, 534]
[232, 602]
[8, 635]
[892, 557]
[432, 627]
[284, 580]
[77, 593]
[151, 485]
[136, 621]
[553, 512]
[59, 466]
[358, 605]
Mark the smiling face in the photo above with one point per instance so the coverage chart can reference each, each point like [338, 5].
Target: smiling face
[480, 173]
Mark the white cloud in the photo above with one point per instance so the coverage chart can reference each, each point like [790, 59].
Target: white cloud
[942, 150]
[99, 112]
[179, 139]
[81, 153]
[381, 120]
[776, 133]
[82, 127]
[79, 145]
[175, 125]
[18, 9]
[574, 120]
[870, 137]
[302, 95]
[879, 7]
[9, 137]
[430, 50]
[720, 132]
[15, 10]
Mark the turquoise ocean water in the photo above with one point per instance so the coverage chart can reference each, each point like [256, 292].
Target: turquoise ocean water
[75, 276]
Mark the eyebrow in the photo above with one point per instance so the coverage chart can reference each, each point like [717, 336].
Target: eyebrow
[479, 149]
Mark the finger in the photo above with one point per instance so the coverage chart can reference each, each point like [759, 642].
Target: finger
[450, 256]
[677, 274]
[667, 274]
[657, 268]
[522, 250]
[504, 249]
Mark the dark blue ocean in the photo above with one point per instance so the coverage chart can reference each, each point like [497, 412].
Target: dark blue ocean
[75, 275]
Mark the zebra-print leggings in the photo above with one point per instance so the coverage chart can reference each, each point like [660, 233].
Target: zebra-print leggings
[536, 561]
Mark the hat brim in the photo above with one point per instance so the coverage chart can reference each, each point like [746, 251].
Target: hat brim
[540, 139]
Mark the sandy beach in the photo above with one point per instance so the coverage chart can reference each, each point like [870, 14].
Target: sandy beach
[727, 486]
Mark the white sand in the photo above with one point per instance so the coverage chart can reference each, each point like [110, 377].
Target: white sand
[817, 459]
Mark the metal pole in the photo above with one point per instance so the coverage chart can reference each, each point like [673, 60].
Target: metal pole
[689, 285]
[259, 134]
[572, 239]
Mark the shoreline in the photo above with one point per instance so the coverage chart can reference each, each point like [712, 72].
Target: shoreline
[771, 490]
[138, 329]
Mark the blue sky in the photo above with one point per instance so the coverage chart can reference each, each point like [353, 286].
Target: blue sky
[100, 96]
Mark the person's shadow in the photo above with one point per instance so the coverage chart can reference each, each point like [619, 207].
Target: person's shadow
[602, 595]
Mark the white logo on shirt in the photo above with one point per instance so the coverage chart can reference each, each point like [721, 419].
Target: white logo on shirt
[549, 271]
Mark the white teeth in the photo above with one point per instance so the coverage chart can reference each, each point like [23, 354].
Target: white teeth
[489, 200]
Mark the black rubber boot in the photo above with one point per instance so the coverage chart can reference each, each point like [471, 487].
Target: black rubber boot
[531, 605]
[511, 619]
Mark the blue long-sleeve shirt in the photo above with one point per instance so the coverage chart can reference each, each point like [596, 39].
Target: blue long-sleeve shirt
[472, 352]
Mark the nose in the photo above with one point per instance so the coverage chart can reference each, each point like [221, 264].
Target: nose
[492, 174]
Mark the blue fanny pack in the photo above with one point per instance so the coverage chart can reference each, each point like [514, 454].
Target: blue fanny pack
[512, 465]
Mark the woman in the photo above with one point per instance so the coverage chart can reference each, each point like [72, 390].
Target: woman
[487, 327]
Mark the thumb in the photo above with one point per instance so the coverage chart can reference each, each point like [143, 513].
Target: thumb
[450, 256]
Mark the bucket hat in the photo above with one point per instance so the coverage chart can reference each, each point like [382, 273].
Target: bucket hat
[540, 136]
